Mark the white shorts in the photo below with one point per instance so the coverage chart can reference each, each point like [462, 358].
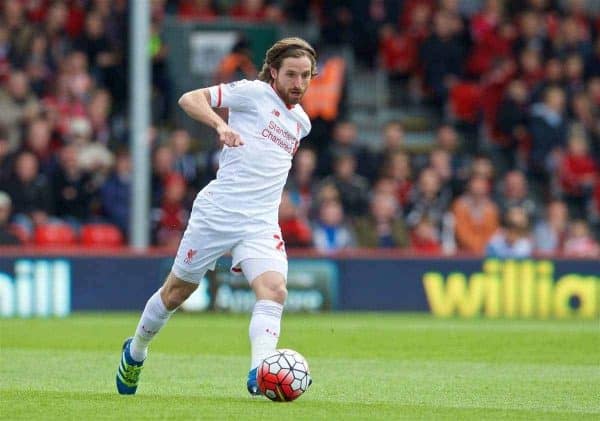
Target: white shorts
[213, 232]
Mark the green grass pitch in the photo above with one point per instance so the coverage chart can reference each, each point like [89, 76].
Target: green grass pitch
[365, 366]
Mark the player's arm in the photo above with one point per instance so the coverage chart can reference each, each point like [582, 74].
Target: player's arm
[197, 105]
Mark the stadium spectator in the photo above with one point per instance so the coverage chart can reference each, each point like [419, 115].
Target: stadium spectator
[162, 166]
[573, 82]
[102, 59]
[514, 192]
[425, 237]
[38, 64]
[382, 227]
[548, 131]
[237, 64]
[440, 163]
[98, 112]
[442, 57]
[173, 214]
[20, 32]
[428, 200]
[30, 193]
[184, 161]
[511, 124]
[116, 193]
[577, 174]
[476, 217]
[532, 34]
[492, 38]
[481, 166]
[94, 157]
[579, 241]
[337, 24]
[61, 25]
[572, 39]
[74, 188]
[302, 182]
[325, 191]
[397, 168]
[19, 106]
[399, 51]
[530, 67]
[63, 103]
[7, 232]
[324, 102]
[353, 188]
[554, 73]
[447, 139]
[330, 232]
[392, 141]
[549, 233]
[38, 141]
[345, 142]
[512, 240]
[295, 229]
[586, 117]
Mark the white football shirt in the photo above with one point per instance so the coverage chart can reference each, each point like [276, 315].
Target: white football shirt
[251, 177]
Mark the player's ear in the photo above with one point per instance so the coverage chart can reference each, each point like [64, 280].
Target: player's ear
[273, 72]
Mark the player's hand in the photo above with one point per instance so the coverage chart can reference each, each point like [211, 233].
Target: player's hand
[229, 137]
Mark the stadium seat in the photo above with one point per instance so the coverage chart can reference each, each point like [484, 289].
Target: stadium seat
[54, 235]
[104, 235]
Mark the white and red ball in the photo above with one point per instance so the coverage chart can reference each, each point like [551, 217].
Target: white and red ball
[283, 376]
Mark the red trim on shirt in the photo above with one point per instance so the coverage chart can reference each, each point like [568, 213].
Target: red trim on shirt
[219, 96]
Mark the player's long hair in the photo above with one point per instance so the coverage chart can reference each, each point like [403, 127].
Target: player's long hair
[282, 49]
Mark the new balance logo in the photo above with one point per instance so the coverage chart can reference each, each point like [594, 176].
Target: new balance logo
[275, 112]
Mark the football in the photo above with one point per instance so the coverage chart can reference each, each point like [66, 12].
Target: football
[283, 376]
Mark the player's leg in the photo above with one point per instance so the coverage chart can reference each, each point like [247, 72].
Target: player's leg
[157, 312]
[268, 280]
[198, 252]
[159, 308]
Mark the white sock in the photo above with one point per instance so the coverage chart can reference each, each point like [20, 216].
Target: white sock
[264, 329]
[154, 317]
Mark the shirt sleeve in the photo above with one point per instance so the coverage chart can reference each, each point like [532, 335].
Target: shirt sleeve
[235, 95]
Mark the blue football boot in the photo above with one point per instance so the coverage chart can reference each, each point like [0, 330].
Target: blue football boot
[252, 383]
[129, 371]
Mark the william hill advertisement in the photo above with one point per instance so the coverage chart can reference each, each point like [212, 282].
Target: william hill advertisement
[526, 289]
[510, 289]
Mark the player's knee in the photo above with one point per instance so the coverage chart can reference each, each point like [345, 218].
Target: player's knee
[278, 292]
[270, 286]
[173, 299]
[175, 292]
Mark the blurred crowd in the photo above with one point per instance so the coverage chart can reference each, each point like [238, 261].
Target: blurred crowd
[512, 170]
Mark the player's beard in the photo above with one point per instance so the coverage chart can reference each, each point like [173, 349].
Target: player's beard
[290, 96]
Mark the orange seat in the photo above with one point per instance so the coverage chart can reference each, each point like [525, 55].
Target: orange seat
[54, 235]
[105, 235]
